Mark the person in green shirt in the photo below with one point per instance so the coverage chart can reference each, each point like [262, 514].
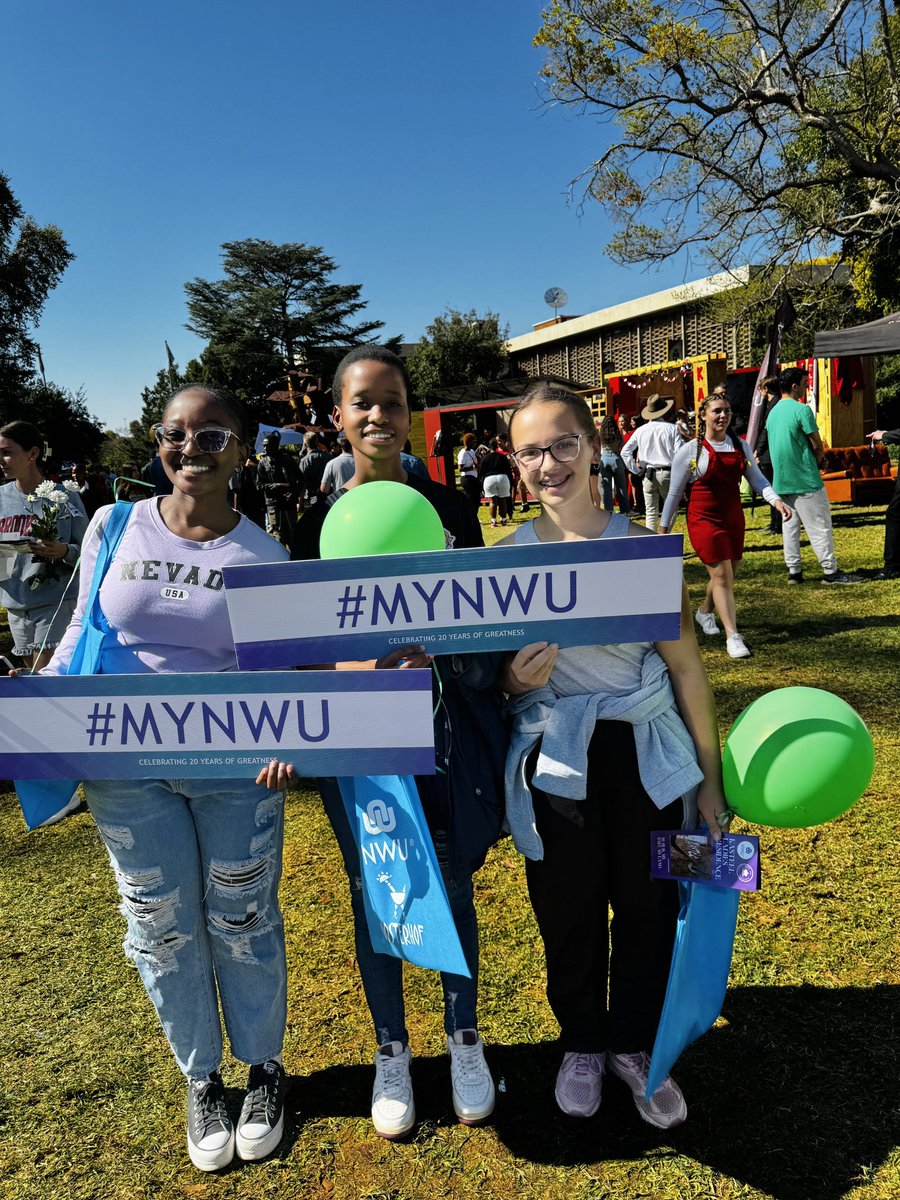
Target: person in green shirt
[796, 450]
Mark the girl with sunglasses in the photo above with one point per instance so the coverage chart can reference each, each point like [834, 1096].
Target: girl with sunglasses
[197, 861]
[715, 463]
[631, 730]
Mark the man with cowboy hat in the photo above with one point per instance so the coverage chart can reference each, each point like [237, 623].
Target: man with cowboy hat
[649, 452]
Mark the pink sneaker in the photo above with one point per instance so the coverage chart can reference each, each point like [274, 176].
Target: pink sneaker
[579, 1083]
[666, 1107]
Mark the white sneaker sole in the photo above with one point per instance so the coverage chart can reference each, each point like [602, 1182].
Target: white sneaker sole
[253, 1149]
[474, 1116]
[211, 1160]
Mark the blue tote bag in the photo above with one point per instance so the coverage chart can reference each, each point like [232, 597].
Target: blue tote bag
[407, 910]
[701, 960]
[43, 799]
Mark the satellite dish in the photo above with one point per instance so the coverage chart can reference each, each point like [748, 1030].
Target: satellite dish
[556, 297]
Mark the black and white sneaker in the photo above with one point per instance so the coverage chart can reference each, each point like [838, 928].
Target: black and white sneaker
[261, 1123]
[841, 577]
[795, 576]
[210, 1132]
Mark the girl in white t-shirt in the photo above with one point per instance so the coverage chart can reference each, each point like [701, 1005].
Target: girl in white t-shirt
[467, 462]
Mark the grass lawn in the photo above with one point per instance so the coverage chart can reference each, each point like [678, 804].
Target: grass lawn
[793, 1095]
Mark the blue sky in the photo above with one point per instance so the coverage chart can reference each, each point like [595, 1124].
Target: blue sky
[407, 139]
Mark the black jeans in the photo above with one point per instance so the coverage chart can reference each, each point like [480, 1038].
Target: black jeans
[892, 531]
[472, 488]
[588, 868]
[775, 517]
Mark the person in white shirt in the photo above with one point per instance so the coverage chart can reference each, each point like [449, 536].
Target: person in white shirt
[649, 452]
[467, 460]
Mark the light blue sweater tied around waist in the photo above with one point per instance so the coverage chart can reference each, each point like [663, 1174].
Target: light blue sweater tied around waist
[665, 750]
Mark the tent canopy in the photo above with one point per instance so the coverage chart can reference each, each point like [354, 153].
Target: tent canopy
[877, 337]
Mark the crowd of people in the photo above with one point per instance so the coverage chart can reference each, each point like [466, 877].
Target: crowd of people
[198, 862]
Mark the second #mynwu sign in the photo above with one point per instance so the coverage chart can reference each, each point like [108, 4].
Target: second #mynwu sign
[461, 601]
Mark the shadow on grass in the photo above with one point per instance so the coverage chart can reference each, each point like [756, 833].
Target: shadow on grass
[856, 520]
[793, 1096]
[814, 628]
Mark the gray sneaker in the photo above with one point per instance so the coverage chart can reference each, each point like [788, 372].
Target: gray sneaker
[210, 1132]
[666, 1107]
[579, 1083]
[261, 1123]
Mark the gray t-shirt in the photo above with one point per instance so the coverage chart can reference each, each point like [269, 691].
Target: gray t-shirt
[17, 515]
[583, 670]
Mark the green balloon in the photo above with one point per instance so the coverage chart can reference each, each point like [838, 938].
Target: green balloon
[381, 517]
[795, 757]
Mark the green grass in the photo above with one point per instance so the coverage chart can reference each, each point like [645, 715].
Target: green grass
[793, 1095]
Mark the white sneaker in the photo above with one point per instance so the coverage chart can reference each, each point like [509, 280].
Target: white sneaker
[666, 1107]
[707, 622]
[735, 646]
[393, 1109]
[473, 1087]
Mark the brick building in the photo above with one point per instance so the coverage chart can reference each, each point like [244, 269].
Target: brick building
[663, 327]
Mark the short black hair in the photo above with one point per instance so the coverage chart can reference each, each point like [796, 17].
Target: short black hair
[379, 354]
[26, 435]
[232, 406]
[790, 377]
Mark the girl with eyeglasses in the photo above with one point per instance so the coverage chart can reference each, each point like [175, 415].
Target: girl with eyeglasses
[197, 861]
[632, 730]
[715, 463]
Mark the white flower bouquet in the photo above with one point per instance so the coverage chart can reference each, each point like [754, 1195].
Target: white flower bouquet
[54, 502]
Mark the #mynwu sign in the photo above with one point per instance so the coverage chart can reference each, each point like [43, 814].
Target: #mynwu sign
[574, 593]
[183, 726]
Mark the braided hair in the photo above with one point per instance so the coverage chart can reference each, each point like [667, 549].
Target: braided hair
[698, 419]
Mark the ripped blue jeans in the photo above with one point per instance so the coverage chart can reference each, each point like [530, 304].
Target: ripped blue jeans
[197, 863]
[382, 974]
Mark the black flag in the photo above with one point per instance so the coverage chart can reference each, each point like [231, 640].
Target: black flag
[785, 315]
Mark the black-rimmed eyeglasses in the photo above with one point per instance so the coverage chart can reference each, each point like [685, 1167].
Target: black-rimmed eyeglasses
[564, 450]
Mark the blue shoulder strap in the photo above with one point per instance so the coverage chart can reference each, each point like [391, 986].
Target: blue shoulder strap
[113, 530]
[88, 649]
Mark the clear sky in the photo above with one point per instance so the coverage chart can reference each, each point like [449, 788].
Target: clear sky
[408, 139]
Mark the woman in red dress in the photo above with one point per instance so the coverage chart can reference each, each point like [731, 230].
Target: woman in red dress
[715, 464]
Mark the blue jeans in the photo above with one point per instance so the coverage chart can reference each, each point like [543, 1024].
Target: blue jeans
[382, 974]
[612, 471]
[197, 863]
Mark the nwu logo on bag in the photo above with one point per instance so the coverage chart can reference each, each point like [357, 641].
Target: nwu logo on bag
[379, 818]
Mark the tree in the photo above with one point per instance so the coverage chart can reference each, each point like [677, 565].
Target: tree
[61, 416]
[887, 390]
[750, 130]
[459, 348]
[275, 308]
[32, 260]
